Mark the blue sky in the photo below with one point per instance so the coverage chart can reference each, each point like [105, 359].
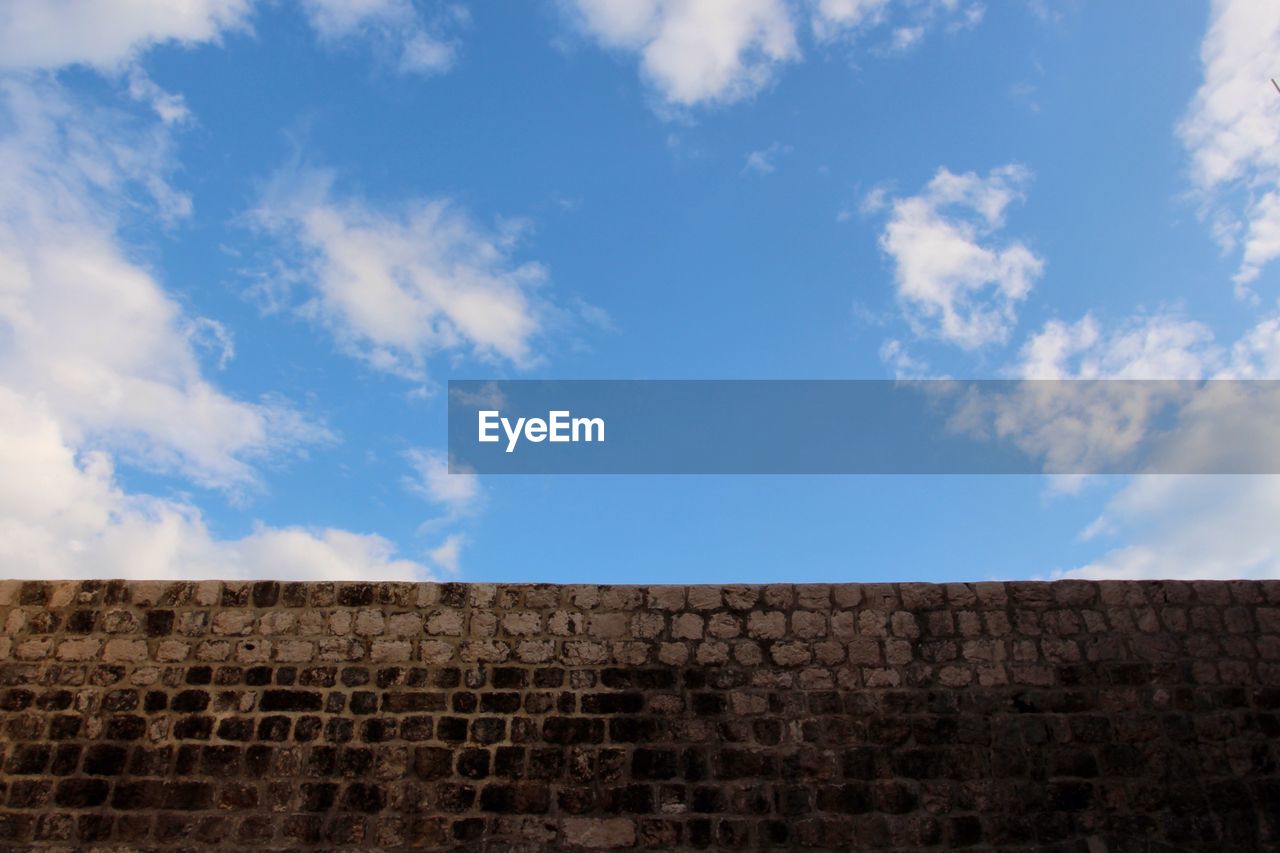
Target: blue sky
[243, 245]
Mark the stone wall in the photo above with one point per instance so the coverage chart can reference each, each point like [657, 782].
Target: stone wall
[1071, 715]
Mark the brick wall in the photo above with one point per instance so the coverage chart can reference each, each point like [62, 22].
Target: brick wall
[1072, 715]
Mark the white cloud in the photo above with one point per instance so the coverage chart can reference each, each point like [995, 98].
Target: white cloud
[107, 34]
[1192, 527]
[62, 514]
[707, 52]
[696, 51]
[396, 286]
[91, 331]
[1156, 346]
[423, 45]
[1204, 526]
[905, 38]
[110, 35]
[457, 492]
[1257, 354]
[1160, 346]
[765, 160]
[954, 280]
[97, 363]
[907, 20]
[894, 354]
[1232, 131]
[449, 553]
[832, 18]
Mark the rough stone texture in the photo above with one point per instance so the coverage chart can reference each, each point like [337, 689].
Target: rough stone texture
[1019, 716]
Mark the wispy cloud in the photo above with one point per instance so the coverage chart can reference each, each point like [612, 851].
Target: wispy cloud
[954, 278]
[764, 161]
[1232, 131]
[413, 40]
[100, 365]
[396, 285]
[698, 52]
[108, 34]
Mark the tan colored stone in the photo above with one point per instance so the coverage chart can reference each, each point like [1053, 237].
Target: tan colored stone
[295, 651]
[535, 651]
[404, 625]
[724, 626]
[213, 650]
[233, 622]
[741, 597]
[770, 625]
[747, 653]
[85, 648]
[391, 651]
[370, 623]
[436, 651]
[446, 623]
[666, 597]
[808, 625]
[584, 653]
[955, 676]
[846, 595]
[566, 623]
[484, 651]
[172, 651]
[686, 626]
[621, 598]
[584, 597]
[814, 596]
[208, 593]
[828, 652]
[253, 651]
[898, 652]
[63, 594]
[483, 623]
[608, 625]
[119, 622]
[599, 833]
[34, 649]
[747, 704]
[673, 654]
[277, 622]
[705, 597]
[522, 623]
[816, 678]
[147, 593]
[791, 653]
[629, 652]
[341, 649]
[125, 651]
[712, 653]
[647, 626]
[482, 595]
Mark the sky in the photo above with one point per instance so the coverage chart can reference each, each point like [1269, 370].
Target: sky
[244, 244]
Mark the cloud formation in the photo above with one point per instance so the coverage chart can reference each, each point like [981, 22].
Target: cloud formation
[395, 286]
[1176, 526]
[1232, 132]
[107, 34]
[708, 52]
[954, 278]
[98, 364]
[696, 51]
[419, 44]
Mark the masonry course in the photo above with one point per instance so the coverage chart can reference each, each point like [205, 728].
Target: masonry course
[1072, 715]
